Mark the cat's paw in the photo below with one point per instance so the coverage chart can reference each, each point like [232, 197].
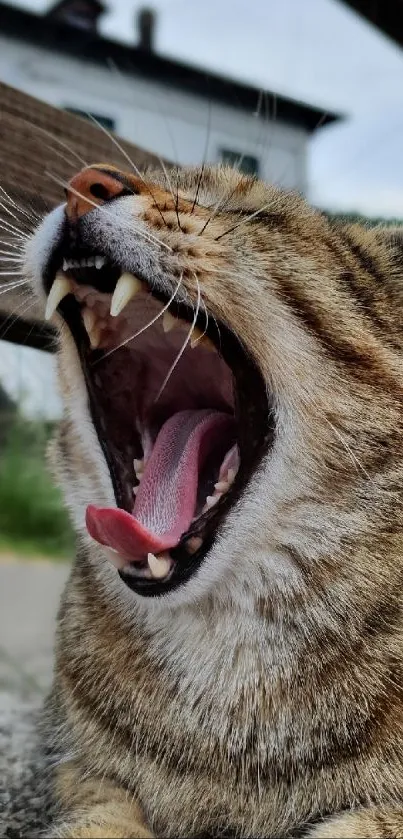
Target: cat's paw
[360, 824]
[348, 826]
[95, 830]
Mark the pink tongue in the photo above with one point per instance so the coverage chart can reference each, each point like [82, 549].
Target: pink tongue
[166, 500]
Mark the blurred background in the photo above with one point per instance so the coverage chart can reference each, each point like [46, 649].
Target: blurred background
[307, 94]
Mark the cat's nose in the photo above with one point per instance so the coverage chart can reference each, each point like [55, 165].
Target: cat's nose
[88, 189]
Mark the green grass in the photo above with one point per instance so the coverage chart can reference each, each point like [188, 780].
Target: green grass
[33, 520]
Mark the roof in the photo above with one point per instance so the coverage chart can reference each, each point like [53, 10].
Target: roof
[386, 15]
[62, 38]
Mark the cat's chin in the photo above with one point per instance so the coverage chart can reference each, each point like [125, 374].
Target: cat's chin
[180, 409]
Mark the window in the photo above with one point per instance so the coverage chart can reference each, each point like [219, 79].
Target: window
[106, 122]
[246, 163]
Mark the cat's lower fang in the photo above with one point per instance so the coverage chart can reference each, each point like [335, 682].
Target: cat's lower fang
[160, 565]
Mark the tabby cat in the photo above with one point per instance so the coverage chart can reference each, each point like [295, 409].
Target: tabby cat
[230, 643]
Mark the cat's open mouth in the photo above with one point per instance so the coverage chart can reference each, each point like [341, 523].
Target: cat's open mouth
[180, 410]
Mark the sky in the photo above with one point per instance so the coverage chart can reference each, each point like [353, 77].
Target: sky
[317, 51]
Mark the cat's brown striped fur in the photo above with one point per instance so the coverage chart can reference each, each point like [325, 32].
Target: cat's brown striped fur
[270, 701]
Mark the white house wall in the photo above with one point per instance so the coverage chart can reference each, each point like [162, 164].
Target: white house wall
[176, 125]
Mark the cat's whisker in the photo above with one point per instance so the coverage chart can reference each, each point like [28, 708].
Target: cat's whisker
[175, 156]
[223, 201]
[28, 213]
[7, 227]
[206, 314]
[27, 302]
[168, 180]
[19, 239]
[280, 180]
[218, 332]
[9, 212]
[262, 99]
[205, 152]
[11, 273]
[243, 221]
[164, 169]
[221, 204]
[10, 243]
[147, 326]
[218, 207]
[270, 121]
[131, 163]
[16, 314]
[11, 256]
[184, 345]
[60, 154]
[55, 138]
[13, 285]
[354, 459]
[359, 467]
[18, 243]
[168, 127]
[16, 250]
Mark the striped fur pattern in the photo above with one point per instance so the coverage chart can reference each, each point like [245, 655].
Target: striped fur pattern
[264, 697]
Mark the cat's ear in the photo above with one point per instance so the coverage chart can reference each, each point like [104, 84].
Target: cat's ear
[390, 236]
[387, 249]
[379, 248]
[378, 251]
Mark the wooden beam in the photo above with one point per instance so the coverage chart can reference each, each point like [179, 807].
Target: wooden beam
[40, 146]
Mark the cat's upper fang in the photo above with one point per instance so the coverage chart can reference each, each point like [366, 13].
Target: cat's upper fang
[126, 288]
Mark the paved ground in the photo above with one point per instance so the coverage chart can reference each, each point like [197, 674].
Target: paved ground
[29, 597]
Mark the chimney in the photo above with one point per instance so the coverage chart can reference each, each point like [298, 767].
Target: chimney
[146, 20]
[83, 14]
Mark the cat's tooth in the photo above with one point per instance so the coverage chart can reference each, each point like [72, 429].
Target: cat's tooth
[99, 261]
[138, 465]
[169, 322]
[197, 335]
[159, 566]
[94, 327]
[212, 499]
[221, 486]
[89, 318]
[95, 336]
[126, 287]
[200, 338]
[228, 474]
[193, 544]
[60, 287]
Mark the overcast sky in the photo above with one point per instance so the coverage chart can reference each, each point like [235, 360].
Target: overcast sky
[314, 50]
[317, 51]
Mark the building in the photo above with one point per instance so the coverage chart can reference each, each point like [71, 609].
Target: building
[173, 110]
